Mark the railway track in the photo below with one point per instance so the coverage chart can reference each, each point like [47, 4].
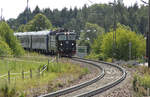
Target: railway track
[110, 76]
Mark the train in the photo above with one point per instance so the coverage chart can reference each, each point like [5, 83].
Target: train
[62, 42]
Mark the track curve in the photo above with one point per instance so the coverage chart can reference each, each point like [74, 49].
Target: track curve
[107, 85]
[79, 86]
[93, 86]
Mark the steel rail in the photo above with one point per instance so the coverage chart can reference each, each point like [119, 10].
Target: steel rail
[82, 85]
[78, 86]
[107, 86]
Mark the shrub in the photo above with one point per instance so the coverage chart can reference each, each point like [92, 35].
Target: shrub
[140, 84]
[120, 49]
[4, 48]
[7, 35]
[145, 81]
[8, 92]
[39, 22]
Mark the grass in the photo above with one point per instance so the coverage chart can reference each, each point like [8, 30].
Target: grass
[47, 79]
[141, 81]
[17, 65]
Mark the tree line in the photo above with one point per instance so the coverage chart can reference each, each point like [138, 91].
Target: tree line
[94, 27]
[101, 14]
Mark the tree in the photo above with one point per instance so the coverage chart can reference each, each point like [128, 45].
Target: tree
[13, 23]
[22, 28]
[48, 13]
[96, 46]
[56, 18]
[90, 32]
[7, 36]
[4, 48]
[38, 23]
[64, 16]
[24, 17]
[101, 14]
[123, 36]
[36, 11]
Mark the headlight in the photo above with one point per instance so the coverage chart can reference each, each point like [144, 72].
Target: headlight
[72, 43]
[61, 44]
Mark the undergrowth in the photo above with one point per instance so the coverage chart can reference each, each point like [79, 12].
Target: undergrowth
[19, 87]
[141, 81]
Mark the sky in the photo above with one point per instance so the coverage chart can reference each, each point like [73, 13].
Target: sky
[12, 8]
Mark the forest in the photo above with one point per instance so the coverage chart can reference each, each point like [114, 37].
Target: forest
[94, 26]
[104, 15]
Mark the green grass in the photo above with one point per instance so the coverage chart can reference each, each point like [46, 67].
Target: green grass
[141, 81]
[25, 63]
[16, 65]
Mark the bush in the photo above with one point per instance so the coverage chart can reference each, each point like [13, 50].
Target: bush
[8, 92]
[7, 35]
[121, 48]
[38, 23]
[90, 32]
[140, 84]
[145, 81]
[4, 48]
[109, 60]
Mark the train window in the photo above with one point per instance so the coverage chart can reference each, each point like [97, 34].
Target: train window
[71, 37]
[62, 37]
[52, 38]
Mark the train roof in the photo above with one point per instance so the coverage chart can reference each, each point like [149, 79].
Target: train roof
[45, 32]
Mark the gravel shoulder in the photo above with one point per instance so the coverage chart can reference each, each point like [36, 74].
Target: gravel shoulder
[124, 89]
[111, 74]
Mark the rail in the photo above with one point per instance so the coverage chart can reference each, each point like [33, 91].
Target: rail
[79, 86]
[107, 86]
[82, 85]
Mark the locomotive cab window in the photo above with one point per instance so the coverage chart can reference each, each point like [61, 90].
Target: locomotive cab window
[62, 37]
[71, 37]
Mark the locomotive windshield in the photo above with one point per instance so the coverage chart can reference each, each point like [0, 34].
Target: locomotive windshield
[62, 37]
[71, 37]
[67, 37]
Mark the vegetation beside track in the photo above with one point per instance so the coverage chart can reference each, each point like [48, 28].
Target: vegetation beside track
[9, 45]
[49, 80]
[141, 81]
[104, 46]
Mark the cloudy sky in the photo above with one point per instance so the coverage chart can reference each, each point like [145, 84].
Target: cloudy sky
[12, 8]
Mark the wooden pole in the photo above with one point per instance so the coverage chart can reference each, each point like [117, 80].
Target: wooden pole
[130, 50]
[147, 92]
[23, 74]
[8, 76]
[148, 51]
[39, 72]
[48, 65]
[57, 58]
[31, 73]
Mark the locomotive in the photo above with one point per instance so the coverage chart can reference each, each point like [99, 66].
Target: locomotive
[62, 42]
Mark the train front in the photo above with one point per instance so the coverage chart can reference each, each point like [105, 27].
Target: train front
[66, 43]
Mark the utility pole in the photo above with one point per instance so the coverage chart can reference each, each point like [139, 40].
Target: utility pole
[148, 36]
[130, 50]
[115, 21]
[27, 11]
[114, 27]
[1, 14]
